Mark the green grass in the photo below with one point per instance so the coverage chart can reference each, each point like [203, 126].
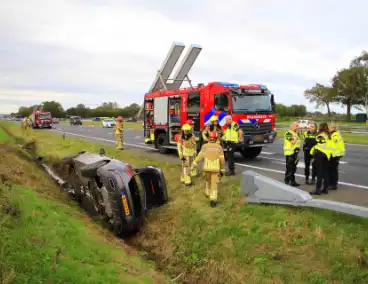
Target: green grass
[284, 120]
[3, 136]
[37, 219]
[348, 137]
[238, 242]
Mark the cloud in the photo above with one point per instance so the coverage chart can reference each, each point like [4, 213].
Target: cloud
[110, 50]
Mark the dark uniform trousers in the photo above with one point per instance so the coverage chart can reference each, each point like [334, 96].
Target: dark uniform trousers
[323, 171]
[229, 150]
[334, 171]
[291, 162]
[308, 160]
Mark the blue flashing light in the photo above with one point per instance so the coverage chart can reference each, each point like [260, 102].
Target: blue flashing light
[227, 85]
[263, 87]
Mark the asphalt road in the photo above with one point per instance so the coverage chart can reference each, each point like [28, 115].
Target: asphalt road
[353, 168]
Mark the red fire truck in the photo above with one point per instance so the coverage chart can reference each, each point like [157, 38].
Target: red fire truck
[41, 119]
[165, 111]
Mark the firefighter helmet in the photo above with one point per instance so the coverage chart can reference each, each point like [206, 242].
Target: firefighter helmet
[120, 118]
[186, 127]
[213, 118]
[213, 136]
[189, 121]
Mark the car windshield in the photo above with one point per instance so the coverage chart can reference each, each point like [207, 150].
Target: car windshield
[250, 101]
[45, 115]
[76, 117]
[109, 120]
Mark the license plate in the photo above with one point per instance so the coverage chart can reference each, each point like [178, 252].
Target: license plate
[259, 138]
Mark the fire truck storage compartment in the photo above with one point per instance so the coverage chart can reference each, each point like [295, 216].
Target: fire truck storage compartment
[160, 113]
[175, 121]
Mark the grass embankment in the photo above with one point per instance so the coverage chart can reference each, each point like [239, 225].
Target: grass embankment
[236, 242]
[341, 122]
[45, 238]
[348, 138]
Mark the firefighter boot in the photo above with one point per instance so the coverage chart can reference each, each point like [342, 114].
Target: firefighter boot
[207, 190]
[187, 180]
[193, 172]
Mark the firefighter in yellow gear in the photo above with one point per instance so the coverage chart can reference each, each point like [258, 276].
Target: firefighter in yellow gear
[213, 126]
[213, 166]
[338, 152]
[24, 123]
[291, 151]
[119, 133]
[322, 153]
[187, 148]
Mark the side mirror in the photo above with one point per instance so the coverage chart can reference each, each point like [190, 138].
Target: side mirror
[272, 100]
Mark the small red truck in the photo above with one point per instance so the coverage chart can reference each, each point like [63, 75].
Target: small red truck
[41, 119]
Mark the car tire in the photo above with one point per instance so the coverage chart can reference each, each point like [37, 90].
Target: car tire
[252, 152]
[90, 171]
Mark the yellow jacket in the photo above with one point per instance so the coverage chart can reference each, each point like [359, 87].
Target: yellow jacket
[119, 127]
[213, 156]
[289, 147]
[337, 144]
[324, 145]
[187, 147]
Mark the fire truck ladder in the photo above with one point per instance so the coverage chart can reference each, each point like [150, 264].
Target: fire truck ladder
[162, 80]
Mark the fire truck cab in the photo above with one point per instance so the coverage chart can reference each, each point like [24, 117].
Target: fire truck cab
[165, 111]
[41, 119]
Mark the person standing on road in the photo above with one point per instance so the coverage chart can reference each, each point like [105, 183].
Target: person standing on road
[187, 148]
[291, 151]
[321, 154]
[338, 152]
[213, 126]
[213, 166]
[309, 141]
[119, 133]
[231, 137]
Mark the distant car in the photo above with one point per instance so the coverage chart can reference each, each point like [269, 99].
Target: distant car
[55, 120]
[108, 123]
[96, 119]
[75, 120]
[304, 123]
[132, 119]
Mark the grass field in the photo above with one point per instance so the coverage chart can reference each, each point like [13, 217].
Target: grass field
[237, 242]
[37, 221]
[3, 136]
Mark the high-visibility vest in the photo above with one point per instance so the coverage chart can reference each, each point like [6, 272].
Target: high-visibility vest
[119, 128]
[337, 144]
[289, 148]
[324, 145]
[231, 134]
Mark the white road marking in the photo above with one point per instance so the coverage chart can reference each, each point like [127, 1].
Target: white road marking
[268, 153]
[137, 137]
[110, 133]
[242, 165]
[299, 165]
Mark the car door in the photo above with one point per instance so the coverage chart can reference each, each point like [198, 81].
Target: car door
[154, 185]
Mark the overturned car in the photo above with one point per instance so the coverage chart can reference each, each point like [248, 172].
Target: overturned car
[120, 194]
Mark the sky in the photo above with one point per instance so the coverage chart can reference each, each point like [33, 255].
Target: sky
[92, 51]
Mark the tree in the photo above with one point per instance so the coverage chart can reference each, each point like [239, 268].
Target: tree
[346, 85]
[55, 108]
[361, 63]
[321, 96]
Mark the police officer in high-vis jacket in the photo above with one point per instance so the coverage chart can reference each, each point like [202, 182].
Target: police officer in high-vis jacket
[321, 154]
[291, 151]
[232, 136]
[338, 152]
[309, 141]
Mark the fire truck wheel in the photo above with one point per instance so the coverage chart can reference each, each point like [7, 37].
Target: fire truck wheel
[160, 143]
[251, 152]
